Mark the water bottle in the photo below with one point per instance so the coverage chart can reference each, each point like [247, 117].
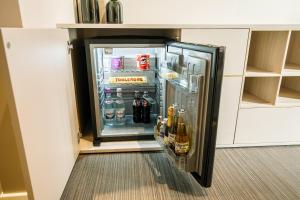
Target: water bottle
[120, 108]
[108, 108]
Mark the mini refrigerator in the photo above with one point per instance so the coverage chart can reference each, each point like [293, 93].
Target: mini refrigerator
[185, 74]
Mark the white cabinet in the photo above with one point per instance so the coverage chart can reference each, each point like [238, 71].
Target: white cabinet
[262, 126]
[36, 14]
[235, 41]
[229, 105]
[41, 79]
[45, 13]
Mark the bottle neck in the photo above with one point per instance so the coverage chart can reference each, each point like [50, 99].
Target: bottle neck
[108, 94]
[180, 118]
[119, 94]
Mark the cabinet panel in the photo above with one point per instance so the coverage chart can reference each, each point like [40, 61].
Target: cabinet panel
[268, 125]
[235, 41]
[229, 104]
[42, 83]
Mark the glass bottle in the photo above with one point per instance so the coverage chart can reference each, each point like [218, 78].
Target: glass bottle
[173, 129]
[181, 140]
[137, 108]
[108, 108]
[114, 12]
[158, 124]
[120, 108]
[146, 108]
[169, 123]
[163, 128]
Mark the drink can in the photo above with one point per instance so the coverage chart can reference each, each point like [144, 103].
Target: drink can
[143, 61]
[117, 63]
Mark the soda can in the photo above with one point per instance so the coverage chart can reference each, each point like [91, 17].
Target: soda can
[143, 61]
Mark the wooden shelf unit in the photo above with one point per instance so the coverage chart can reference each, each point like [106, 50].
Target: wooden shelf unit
[260, 92]
[289, 93]
[292, 63]
[266, 53]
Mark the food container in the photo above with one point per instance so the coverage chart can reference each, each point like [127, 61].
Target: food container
[117, 63]
[143, 61]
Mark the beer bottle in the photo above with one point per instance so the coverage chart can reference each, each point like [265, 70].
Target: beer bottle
[172, 131]
[169, 123]
[181, 140]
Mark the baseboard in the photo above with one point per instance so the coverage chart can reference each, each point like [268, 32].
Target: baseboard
[258, 144]
[14, 196]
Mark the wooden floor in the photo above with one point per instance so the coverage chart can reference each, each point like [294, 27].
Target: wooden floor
[271, 173]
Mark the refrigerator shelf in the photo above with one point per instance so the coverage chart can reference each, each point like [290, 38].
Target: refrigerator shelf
[130, 127]
[188, 82]
[180, 162]
[129, 71]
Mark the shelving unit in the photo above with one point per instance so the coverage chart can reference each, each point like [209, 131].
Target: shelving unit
[292, 63]
[270, 103]
[260, 92]
[289, 93]
[266, 53]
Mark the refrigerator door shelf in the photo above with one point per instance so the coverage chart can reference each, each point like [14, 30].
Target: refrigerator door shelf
[187, 100]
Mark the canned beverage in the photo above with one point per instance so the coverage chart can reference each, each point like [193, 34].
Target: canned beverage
[117, 63]
[143, 61]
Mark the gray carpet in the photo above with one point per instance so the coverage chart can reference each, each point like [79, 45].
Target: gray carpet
[241, 173]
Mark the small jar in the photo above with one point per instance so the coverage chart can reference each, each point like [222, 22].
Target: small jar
[114, 12]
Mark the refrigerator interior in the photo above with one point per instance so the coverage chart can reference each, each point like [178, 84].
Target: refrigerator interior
[106, 76]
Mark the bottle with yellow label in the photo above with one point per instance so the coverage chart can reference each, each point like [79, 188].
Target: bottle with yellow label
[182, 144]
[169, 124]
[172, 131]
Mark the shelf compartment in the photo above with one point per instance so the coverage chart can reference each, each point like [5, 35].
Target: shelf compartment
[257, 72]
[181, 162]
[266, 53]
[289, 93]
[130, 128]
[291, 70]
[292, 63]
[260, 92]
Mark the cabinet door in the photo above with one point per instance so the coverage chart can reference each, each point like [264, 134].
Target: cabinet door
[229, 105]
[42, 83]
[263, 126]
[235, 41]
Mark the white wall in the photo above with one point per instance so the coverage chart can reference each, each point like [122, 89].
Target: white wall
[212, 11]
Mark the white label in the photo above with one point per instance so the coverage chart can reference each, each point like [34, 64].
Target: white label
[109, 113]
[120, 113]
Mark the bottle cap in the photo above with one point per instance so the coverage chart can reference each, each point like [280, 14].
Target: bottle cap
[119, 89]
[145, 92]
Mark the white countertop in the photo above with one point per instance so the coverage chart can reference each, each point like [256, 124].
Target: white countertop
[180, 26]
